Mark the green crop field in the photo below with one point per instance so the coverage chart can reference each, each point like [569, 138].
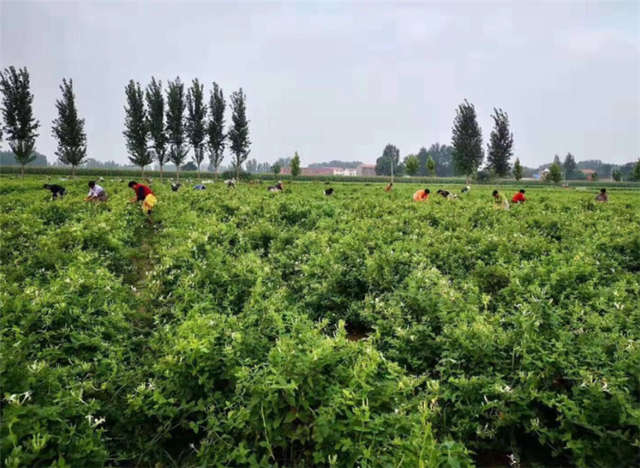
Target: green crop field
[246, 328]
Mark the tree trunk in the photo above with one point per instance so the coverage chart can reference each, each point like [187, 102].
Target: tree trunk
[73, 172]
[237, 173]
[199, 177]
[22, 171]
[142, 167]
[160, 172]
[178, 172]
[216, 175]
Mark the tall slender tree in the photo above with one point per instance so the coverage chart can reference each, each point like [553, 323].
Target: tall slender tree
[635, 175]
[518, 170]
[216, 136]
[431, 166]
[239, 133]
[17, 109]
[570, 167]
[196, 121]
[68, 129]
[295, 165]
[500, 147]
[155, 122]
[176, 123]
[467, 141]
[136, 130]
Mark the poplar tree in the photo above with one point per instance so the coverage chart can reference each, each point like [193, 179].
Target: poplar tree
[500, 147]
[467, 141]
[431, 166]
[17, 110]
[216, 137]
[136, 130]
[176, 123]
[295, 165]
[570, 166]
[68, 129]
[518, 170]
[196, 121]
[239, 133]
[155, 122]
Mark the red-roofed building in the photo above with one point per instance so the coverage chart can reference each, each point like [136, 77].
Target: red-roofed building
[366, 170]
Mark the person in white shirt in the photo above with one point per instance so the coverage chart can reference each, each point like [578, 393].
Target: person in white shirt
[96, 193]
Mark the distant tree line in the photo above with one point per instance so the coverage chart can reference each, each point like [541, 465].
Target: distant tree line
[165, 126]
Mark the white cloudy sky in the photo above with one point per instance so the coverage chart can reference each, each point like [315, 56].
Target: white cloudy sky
[339, 80]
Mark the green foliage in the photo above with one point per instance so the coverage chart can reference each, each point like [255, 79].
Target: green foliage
[431, 166]
[155, 121]
[636, 172]
[295, 165]
[68, 128]
[276, 169]
[555, 173]
[570, 166]
[136, 130]
[412, 165]
[17, 110]
[616, 175]
[500, 147]
[517, 170]
[389, 162]
[298, 330]
[594, 177]
[239, 133]
[466, 140]
[216, 137]
[176, 123]
[196, 121]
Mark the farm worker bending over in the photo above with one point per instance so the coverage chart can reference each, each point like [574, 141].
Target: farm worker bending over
[421, 195]
[519, 197]
[96, 193]
[603, 196]
[389, 187]
[467, 189]
[199, 187]
[145, 195]
[500, 200]
[444, 193]
[56, 190]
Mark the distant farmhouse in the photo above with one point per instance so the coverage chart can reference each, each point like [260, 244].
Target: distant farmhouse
[321, 171]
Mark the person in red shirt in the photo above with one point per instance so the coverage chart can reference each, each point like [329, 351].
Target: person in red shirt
[519, 197]
[421, 195]
[145, 195]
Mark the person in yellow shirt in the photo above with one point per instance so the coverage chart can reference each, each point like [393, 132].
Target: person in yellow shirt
[500, 200]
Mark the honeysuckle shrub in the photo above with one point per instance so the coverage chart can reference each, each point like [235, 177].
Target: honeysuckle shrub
[247, 328]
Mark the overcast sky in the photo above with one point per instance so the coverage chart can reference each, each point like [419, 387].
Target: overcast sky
[340, 80]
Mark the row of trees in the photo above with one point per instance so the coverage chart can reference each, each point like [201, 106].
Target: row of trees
[155, 129]
[464, 156]
[164, 131]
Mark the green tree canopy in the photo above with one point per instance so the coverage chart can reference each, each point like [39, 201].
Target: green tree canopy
[517, 170]
[390, 157]
[295, 165]
[135, 123]
[411, 165]
[431, 166]
[196, 121]
[68, 129]
[20, 127]
[467, 140]
[500, 147]
[216, 136]
[239, 133]
[176, 123]
[155, 122]
[570, 166]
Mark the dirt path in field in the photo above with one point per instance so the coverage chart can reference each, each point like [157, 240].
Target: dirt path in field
[142, 264]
